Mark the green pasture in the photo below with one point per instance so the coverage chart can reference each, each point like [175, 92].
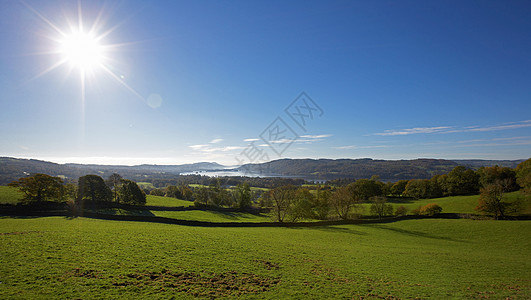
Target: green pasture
[57, 257]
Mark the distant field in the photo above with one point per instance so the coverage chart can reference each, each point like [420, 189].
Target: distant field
[146, 185]
[432, 258]
[10, 195]
[166, 201]
[463, 204]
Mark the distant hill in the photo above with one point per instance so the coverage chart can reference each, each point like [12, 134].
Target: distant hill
[14, 168]
[388, 170]
[314, 169]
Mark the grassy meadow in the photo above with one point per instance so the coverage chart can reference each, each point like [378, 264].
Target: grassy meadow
[10, 195]
[57, 257]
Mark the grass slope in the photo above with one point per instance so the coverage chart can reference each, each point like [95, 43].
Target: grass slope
[10, 195]
[464, 204]
[166, 201]
[82, 258]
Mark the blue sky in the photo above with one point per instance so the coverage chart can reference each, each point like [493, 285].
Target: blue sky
[189, 81]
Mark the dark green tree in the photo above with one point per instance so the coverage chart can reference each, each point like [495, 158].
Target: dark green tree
[39, 187]
[303, 205]
[130, 193]
[93, 189]
[461, 181]
[496, 174]
[398, 188]
[366, 188]
[523, 175]
[114, 182]
[243, 195]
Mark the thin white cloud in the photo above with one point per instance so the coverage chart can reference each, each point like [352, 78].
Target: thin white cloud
[215, 141]
[198, 147]
[319, 136]
[360, 147]
[454, 129]
[416, 130]
[251, 140]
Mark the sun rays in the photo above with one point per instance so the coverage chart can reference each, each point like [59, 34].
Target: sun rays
[82, 47]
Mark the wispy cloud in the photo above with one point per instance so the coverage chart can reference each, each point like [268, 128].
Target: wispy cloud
[416, 130]
[319, 136]
[215, 141]
[251, 140]
[360, 147]
[455, 129]
[198, 147]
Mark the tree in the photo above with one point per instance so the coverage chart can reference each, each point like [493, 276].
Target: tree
[461, 181]
[94, 189]
[380, 207]
[303, 204]
[431, 209]
[398, 188]
[322, 205]
[243, 195]
[491, 175]
[282, 199]
[186, 192]
[130, 193]
[366, 188]
[173, 192]
[418, 188]
[113, 182]
[39, 187]
[343, 200]
[523, 175]
[157, 192]
[401, 211]
[491, 201]
[201, 196]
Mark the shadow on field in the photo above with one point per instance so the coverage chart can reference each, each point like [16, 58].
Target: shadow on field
[415, 233]
[234, 215]
[340, 230]
[401, 200]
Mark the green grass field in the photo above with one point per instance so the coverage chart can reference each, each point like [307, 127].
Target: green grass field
[10, 195]
[464, 204]
[56, 257]
[166, 201]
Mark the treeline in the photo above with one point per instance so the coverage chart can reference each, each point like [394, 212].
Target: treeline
[261, 182]
[89, 190]
[459, 181]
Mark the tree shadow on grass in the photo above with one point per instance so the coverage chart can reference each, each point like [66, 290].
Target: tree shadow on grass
[124, 212]
[236, 215]
[400, 200]
[416, 233]
[348, 230]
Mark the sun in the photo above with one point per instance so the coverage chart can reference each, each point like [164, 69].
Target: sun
[82, 50]
[83, 46]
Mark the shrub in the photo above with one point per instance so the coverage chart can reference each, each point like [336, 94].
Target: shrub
[430, 209]
[416, 211]
[157, 192]
[401, 211]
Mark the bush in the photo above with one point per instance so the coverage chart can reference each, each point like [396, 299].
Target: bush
[416, 211]
[430, 209]
[157, 192]
[401, 211]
